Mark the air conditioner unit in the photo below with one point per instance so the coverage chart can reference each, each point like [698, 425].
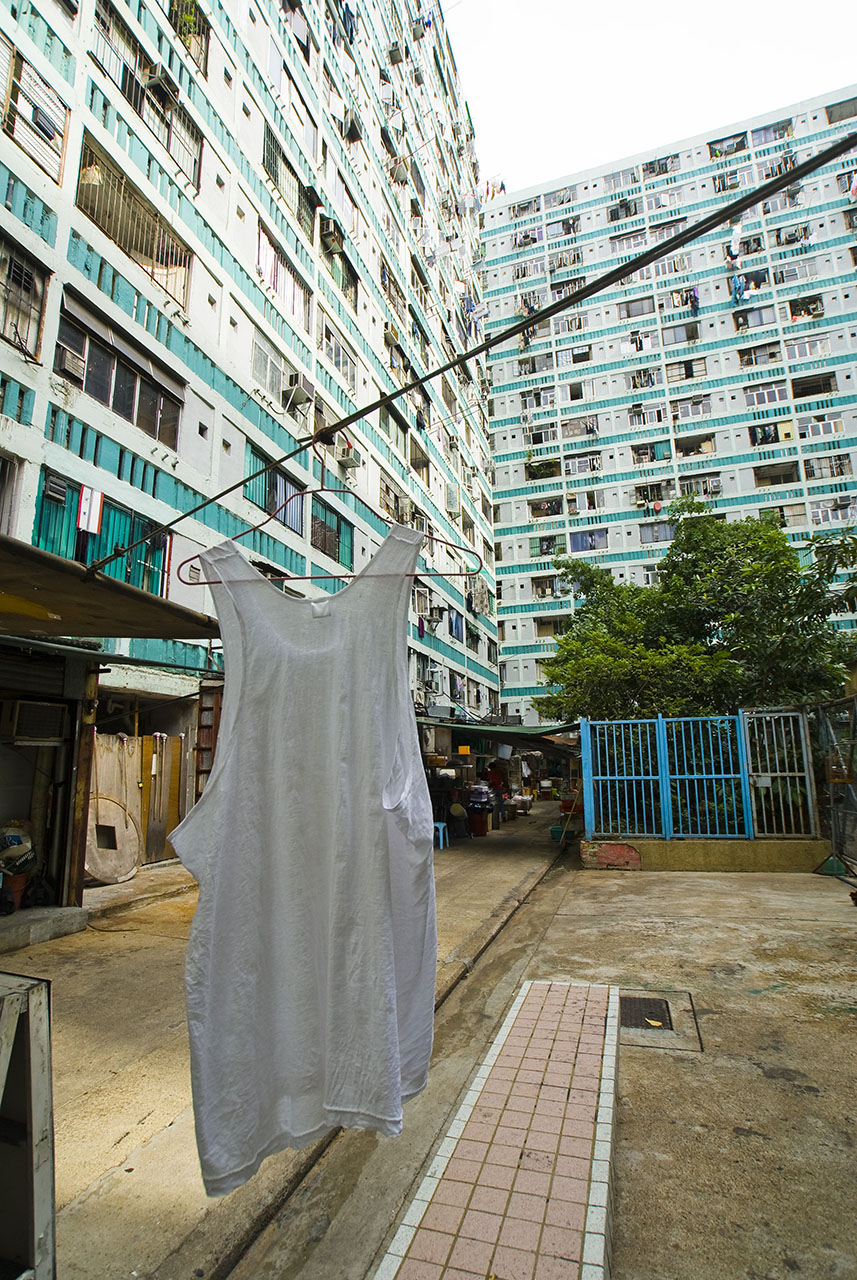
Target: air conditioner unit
[418, 29]
[332, 235]
[436, 613]
[56, 489]
[346, 455]
[394, 53]
[842, 503]
[391, 334]
[715, 486]
[36, 722]
[71, 363]
[420, 522]
[162, 82]
[300, 388]
[399, 170]
[405, 511]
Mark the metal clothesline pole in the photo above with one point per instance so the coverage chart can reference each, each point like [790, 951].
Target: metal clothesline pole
[681, 238]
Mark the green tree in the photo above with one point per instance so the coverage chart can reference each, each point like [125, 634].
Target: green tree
[739, 617]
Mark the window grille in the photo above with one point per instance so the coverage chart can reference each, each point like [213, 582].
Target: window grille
[22, 291]
[33, 114]
[105, 195]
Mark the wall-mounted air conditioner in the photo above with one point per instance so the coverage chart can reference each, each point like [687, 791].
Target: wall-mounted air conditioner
[299, 389]
[391, 334]
[71, 363]
[160, 80]
[395, 54]
[332, 235]
[346, 455]
[36, 722]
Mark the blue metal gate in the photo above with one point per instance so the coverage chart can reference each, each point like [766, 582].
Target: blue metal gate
[667, 777]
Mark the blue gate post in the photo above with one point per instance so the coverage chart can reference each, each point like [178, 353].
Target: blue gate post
[664, 778]
[743, 765]
[586, 770]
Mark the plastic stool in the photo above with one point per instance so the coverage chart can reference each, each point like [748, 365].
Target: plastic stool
[441, 834]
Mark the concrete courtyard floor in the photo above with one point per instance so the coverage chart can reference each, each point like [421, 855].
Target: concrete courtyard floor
[735, 1155]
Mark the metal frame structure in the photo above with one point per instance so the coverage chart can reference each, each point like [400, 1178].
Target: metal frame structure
[743, 776]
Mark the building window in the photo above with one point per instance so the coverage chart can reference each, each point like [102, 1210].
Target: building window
[331, 534]
[32, 113]
[150, 90]
[800, 348]
[820, 384]
[766, 393]
[827, 468]
[270, 369]
[672, 335]
[114, 377]
[841, 110]
[105, 195]
[338, 353]
[767, 353]
[22, 295]
[56, 530]
[343, 274]
[275, 492]
[192, 28]
[588, 540]
[279, 275]
[659, 531]
[756, 318]
[636, 307]
[801, 308]
[287, 183]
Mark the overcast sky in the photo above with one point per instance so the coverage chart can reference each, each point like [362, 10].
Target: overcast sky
[555, 86]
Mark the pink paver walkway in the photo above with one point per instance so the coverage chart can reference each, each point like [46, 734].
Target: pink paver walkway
[520, 1187]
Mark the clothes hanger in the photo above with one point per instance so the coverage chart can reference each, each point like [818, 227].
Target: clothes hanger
[295, 577]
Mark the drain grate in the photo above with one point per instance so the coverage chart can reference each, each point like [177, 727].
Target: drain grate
[646, 1013]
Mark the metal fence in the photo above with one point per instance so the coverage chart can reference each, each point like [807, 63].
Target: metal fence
[718, 777]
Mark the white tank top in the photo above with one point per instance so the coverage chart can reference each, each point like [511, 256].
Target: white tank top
[311, 963]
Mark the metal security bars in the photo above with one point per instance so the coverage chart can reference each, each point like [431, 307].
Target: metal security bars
[32, 112]
[105, 195]
[782, 787]
[718, 777]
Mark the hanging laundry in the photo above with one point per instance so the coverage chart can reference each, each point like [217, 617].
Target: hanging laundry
[311, 963]
[735, 242]
[694, 301]
[852, 191]
[739, 284]
[349, 22]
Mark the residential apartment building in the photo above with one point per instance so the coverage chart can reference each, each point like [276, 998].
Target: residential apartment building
[225, 227]
[727, 369]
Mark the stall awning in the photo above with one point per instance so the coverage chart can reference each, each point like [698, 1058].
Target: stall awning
[526, 737]
[44, 595]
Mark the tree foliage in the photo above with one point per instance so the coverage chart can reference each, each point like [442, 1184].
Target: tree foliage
[739, 617]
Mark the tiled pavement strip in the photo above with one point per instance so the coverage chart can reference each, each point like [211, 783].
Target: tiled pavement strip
[520, 1187]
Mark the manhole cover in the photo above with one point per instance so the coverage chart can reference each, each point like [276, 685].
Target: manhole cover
[644, 1012]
